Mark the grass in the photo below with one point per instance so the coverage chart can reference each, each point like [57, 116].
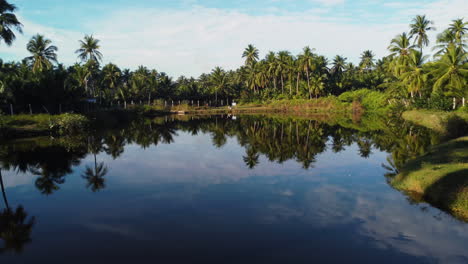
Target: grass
[440, 177]
[452, 124]
[18, 126]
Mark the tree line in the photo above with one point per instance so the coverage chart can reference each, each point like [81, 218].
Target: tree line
[405, 73]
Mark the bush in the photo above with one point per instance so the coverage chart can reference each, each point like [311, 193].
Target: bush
[435, 102]
[370, 100]
[68, 123]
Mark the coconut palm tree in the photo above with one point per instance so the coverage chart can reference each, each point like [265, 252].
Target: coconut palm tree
[317, 85]
[251, 158]
[400, 45]
[367, 60]
[89, 49]
[306, 61]
[111, 75]
[282, 66]
[339, 64]
[419, 28]
[414, 76]
[451, 71]
[251, 55]
[8, 23]
[271, 67]
[444, 40]
[43, 53]
[218, 79]
[459, 28]
[400, 48]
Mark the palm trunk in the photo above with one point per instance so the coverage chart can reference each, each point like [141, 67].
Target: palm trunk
[282, 84]
[3, 191]
[297, 83]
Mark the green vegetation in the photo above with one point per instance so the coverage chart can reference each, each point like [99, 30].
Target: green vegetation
[439, 177]
[33, 125]
[405, 76]
[451, 124]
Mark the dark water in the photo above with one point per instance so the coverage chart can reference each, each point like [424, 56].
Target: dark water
[201, 190]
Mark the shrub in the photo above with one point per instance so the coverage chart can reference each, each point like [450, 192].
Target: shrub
[435, 102]
[68, 123]
[370, 100]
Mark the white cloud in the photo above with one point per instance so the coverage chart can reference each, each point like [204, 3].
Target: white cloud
[191, 42]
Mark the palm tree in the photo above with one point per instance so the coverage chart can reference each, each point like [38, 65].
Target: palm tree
[444, 40]
[218, 78]
[251, 55]
[306, 61]
[282, 66]
[42, 53]
[317, 85]
[400, 45]
[8, 22]
[451, 71]
[271, 67]
[419, 29]
[414, 76]
[459, 29]
[89, 49]
[339, 64]
[367, 60]
[400, 48]
[111, 75]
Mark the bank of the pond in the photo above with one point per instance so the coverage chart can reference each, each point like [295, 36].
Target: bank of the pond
[452, 124]
[440, 177]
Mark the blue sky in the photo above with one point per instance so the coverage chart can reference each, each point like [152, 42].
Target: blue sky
[192, 36]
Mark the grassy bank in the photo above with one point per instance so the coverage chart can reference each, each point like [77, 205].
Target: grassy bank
[440, 177]
[452, 124]
[18, 126]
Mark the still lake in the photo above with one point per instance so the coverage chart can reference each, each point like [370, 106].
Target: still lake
[222, 189]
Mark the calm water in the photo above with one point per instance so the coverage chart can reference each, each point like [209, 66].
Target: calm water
[222, 190]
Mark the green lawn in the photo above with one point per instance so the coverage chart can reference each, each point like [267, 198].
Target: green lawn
[440, 177]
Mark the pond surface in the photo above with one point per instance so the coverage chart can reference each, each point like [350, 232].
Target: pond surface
[224, 189]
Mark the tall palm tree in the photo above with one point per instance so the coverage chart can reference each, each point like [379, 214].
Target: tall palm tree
[271, 67]
[42, 53]
[8, 23]
[367, 60]
[218, 78]
[111, 75]
[251, 55]
[339, 64]
[282, 66]
[400, 45]
[5, 200]
[15, 229]
[317, 85]
[89, 49]
[459, 28]
[414, 76]
[400, 48]
[306, 60]
[451, 71]
[419, 28]
[444, 40]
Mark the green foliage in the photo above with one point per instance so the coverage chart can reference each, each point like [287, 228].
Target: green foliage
[435, 102]
[370, 100]
[68, 123]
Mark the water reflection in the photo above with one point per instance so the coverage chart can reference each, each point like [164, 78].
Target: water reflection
[278, 139]
[316, 184]
[15, 225]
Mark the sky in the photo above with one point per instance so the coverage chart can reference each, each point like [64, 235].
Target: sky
[190, 37]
